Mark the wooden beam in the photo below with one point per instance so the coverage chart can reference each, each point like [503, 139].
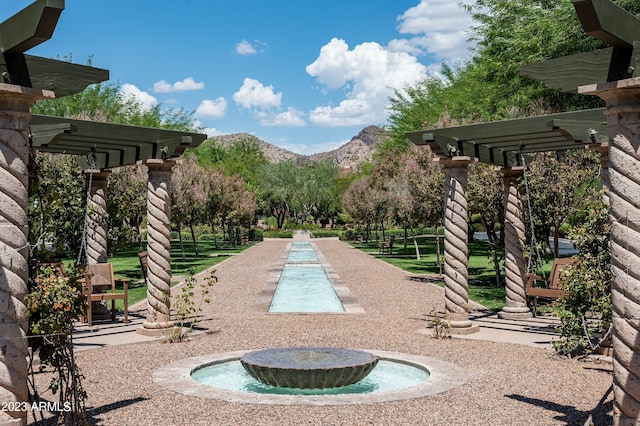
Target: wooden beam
[608, 22]
[31, 26]
[567, 73]
[64, 78]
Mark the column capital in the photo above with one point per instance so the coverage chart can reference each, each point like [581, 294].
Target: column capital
[158, 164]
[512, 172]
[97, 174]
[453, 162]
[36, 94]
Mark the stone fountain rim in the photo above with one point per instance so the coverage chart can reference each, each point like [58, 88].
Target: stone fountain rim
[176, 377]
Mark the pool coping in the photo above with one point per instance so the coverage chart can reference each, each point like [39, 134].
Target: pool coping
[176, 377]
[263, 301]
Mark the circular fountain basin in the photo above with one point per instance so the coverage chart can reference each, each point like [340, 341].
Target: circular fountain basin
[308, 367]
[221, 376]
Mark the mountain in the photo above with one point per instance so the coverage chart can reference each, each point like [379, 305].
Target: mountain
[348, 157]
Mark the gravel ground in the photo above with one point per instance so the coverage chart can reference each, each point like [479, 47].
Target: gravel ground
[507, 385]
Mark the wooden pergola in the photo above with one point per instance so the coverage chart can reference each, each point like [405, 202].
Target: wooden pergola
[24, 79]
[613, 74]
[112, 145]
[501, 142]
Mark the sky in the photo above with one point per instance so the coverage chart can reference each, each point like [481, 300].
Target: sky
[306, 76]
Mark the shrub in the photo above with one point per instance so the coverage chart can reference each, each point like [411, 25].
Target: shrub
[585, 310]
[55, 301]
[256, 234]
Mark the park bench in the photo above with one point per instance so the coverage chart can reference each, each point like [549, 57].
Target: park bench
[552, 288]
[386, 246]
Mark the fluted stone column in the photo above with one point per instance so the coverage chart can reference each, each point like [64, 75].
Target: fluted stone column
[15, 102]
[514, 241]
[97, 223]
[456, 249]
[603, 150]
[623, 120]
[159, 248]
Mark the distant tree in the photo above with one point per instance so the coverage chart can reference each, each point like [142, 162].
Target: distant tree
[486, 201]
[357, 201]
[242, 157]
[105, 102]
[560, 184]
[420, 181]
[188, 197]
[276, 183]
[126, 205]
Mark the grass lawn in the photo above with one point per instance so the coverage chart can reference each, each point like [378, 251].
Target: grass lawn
[126, 264]
[482, 277]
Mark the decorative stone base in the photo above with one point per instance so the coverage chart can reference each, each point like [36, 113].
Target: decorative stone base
[464, 330]
[515, 313]
[155, 329]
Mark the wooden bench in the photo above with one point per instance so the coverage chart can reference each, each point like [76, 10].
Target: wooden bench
[386, 246]
[552, 289]
[100, 285]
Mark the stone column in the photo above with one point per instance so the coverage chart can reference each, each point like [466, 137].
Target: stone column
[603, 150]
[456, 249]
[97, 220]
[159, 248]
[514, 240]
[623, 121]
[15, 102]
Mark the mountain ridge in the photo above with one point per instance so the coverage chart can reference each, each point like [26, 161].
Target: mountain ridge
[348, 157]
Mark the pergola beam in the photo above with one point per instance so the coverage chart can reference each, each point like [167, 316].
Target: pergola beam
[31, 26]
[608, 22]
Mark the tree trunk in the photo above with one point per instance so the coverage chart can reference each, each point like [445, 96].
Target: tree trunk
[405, 239]
[415, 243]
[491, 238]
[556, 241]
[193, 238]
[179, 226]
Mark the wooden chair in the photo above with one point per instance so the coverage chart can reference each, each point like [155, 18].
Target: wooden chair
[386, 246]
[100, 285]
[552, 289]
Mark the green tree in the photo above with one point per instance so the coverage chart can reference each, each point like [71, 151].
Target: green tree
[126, 206]
[243, 157]
[188, 197]
[56, 204]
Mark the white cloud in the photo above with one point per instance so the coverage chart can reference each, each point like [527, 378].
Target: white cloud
[290, 118]
[369, 72]
[441, 28]
[212, 108]
[179, 86]
[255, 94]
[245, 48]
[146, 101]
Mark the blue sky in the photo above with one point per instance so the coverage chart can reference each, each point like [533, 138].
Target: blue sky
[303, 75]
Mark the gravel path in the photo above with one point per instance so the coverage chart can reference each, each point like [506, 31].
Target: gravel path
[508, 384]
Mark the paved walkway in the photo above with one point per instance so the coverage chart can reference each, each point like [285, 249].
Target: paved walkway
[536, 332]
[506, 383]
